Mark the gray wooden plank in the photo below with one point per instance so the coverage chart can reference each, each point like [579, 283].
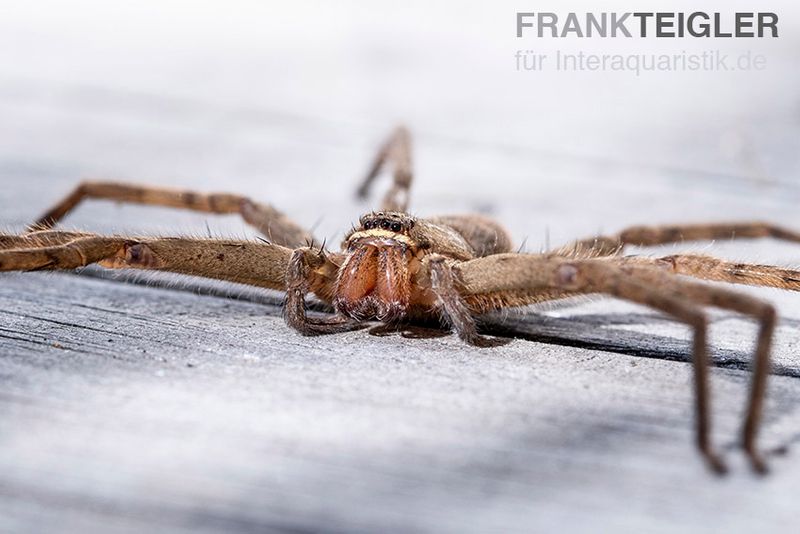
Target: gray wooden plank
[455, 424]
[242, 427]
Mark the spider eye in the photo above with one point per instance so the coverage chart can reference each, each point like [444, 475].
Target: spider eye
[385, 225]
[396, 227]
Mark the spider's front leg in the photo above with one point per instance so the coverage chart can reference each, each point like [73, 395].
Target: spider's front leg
[244, 262]
[513, 279]
[297, 272]
[659, 272]
[39, 239]
[397, 151]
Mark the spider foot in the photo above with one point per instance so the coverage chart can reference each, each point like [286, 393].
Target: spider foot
[328, 325]
[757, 461]
[715, 462]
[486, 341]
[469, 334]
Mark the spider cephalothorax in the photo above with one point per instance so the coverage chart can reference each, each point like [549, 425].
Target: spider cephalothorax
[385, 272]
[398, 267]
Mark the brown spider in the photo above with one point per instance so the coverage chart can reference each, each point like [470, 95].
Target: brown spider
[395, 267]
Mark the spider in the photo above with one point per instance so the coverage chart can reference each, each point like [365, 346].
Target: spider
[394, 267]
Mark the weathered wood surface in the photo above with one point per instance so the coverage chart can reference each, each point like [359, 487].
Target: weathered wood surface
[127, 407]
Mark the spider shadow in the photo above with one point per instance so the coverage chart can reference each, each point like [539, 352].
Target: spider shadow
[407, 331]
[425, 331]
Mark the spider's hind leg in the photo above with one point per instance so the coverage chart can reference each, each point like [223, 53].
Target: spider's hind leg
[397, 151]
[647, 236]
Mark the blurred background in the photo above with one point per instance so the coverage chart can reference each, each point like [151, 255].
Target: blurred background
[247, 95]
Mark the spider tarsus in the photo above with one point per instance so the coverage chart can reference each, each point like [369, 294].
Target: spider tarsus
[332, 325]
[716, 463]
[362, 192]
[483, 342]
[758, 465]
[757, 462]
